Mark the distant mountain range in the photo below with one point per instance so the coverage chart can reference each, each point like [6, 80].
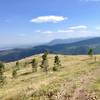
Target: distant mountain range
[67, 47]
[66, 41]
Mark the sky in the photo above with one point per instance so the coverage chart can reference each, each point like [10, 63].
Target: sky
[40, 21]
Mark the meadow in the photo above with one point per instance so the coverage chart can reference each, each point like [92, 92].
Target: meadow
[78, 78]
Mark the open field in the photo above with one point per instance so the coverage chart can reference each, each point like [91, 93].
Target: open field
[77, 79]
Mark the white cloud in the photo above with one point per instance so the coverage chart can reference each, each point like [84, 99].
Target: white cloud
[45, 19]
[80, 27]
[54, 32]
[69, 32]
[65, 31]
[45, 31]
[72, 31]
[98, 28]
[48, 32]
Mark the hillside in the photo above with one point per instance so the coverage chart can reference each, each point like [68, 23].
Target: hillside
[77, 79]
[75, 48]
[67, 41]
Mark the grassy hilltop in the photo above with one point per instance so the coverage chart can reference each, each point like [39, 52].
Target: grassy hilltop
[77, 79]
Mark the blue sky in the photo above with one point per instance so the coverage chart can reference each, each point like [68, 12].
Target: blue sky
[38, 21]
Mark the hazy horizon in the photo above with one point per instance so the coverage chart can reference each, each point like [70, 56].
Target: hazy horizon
[12, 46]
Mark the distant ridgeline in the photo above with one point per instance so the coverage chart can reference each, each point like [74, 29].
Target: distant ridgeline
[75, 48]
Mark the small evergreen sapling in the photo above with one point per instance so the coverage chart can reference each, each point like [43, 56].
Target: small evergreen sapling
[44, 64]
[57, 63]
[15, 69]
[90, 52]
[34, 65]
[2, 78]
[17, 65]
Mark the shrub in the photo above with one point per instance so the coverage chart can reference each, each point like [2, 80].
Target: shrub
[2, 79]
[15, 69]
[17, 65]
[90, 52]
[44, 64]
[34, 65]
[57, 63]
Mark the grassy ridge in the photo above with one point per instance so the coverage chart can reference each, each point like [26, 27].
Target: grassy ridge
[77, 78]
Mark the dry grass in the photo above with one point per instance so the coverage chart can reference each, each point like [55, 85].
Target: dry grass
[79, 77]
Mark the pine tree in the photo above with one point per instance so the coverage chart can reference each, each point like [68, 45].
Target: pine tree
[34, 65]
[90, 52]
[2, 79]
[17, 65]
[57, 63]
[15, 69]
[44, 64]
[45, 68]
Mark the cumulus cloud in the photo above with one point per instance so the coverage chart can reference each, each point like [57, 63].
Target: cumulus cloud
[80, 27]
[46, 19]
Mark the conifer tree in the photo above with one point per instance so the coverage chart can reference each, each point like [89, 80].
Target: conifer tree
[57, 63]
[44, 64]
[14, 73]
[34, 65]
[90, 52]
[2, 79]
[17, 65]
[15, 69]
